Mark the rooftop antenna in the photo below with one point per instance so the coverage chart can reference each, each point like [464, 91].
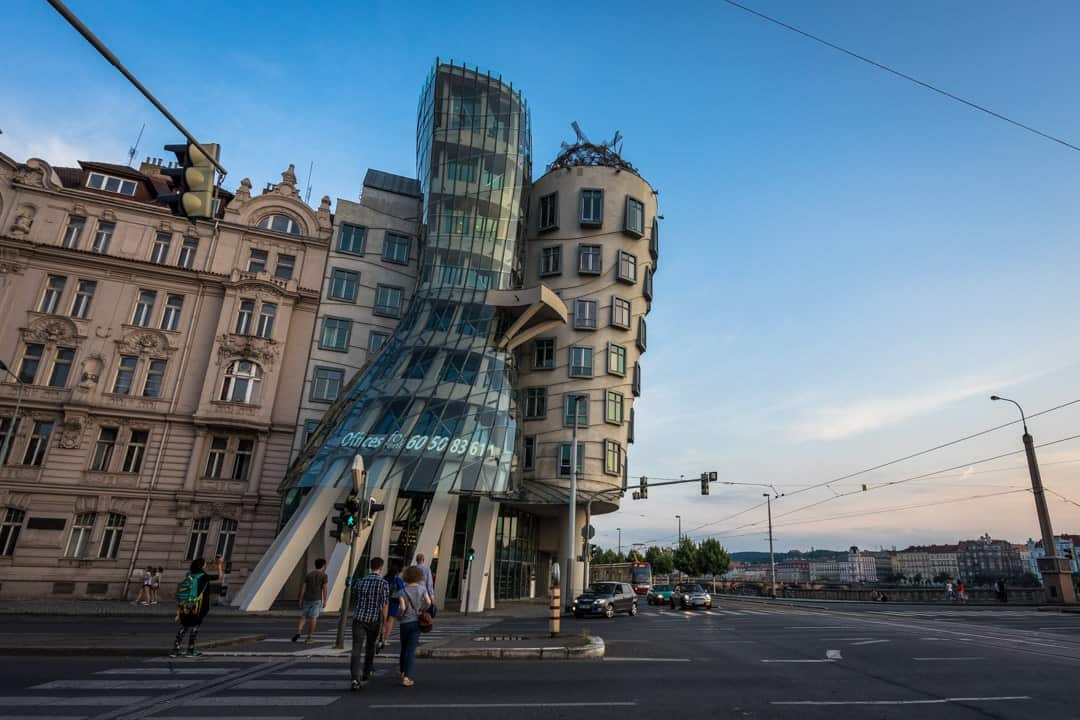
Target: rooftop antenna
[307, 193]
[581, 138]
[135, 148]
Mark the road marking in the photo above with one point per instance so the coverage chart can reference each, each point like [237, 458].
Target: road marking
[243, 700]
[928, 659]
[115, 685]
[833, 655]
[44, 717]
[641, 659]
[821, 627]
[799, 661]
[844, 639]
[439, 706]
[938, 701]
[871, 642]
[165, 671]
[23, 700]
[292, 685]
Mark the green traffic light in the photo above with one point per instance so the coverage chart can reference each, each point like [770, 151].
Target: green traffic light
[351, 521]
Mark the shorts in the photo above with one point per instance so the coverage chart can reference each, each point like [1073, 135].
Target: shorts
[311, 608]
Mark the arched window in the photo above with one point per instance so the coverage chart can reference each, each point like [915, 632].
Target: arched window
[242, 382]
[281, 224]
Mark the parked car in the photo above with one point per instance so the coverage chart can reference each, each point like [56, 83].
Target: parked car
[659, 595]
[690, 596]
[607, 599]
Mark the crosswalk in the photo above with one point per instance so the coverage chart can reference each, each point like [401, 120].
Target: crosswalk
[714, 612]
[321, 640]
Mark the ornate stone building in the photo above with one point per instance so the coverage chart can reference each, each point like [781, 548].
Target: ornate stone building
[157, 366]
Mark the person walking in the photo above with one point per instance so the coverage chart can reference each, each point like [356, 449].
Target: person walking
[429, 580]
[948, 590]
[192, 604]
[1004, 591]
[155, 584]
[393, 577]
[372, 599]
[312, 598]
[147, 587]
[961, 592]
[414, 600]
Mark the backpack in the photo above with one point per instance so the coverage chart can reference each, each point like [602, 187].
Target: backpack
[188, 597]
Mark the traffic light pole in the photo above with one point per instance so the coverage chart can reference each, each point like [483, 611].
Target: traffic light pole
[342, 618]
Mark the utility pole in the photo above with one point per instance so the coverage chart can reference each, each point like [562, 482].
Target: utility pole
[571, 538]
[620, 540]
[678, 535]
[772, 558]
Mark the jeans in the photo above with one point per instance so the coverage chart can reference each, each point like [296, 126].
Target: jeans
[364, 635]
[410, 638]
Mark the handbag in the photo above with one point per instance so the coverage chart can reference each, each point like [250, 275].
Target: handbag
[423, 617]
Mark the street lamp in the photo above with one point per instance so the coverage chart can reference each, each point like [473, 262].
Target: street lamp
[678, 519]
[10, 434]
[1055, 570]
[571, 538]
[772, 558]
[619, 530]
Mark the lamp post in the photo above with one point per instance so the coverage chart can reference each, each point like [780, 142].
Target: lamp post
[678, 531]
[10, 434]
[571, 537]
[1054, 570]
[772, 558]
[619, 530]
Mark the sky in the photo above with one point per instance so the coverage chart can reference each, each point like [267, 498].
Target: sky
[850, 264]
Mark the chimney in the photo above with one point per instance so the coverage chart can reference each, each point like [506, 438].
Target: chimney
[149, 167]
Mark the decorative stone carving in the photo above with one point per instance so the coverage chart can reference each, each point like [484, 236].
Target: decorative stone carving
[71, 431]
[87, 503]
[145, 342]
[32, 175]
[246, 347]
[324, 213]
[216, 509]
[243, 193]
[91, 371]
[123, 506]
[261, 290]
[165, 226]
[289, 176]
[20, 501]
[108, 216]
[103, 332]
[24, 219]
[51, 330]
[9, 263]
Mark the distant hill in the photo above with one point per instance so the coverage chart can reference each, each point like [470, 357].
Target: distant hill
[763, 557]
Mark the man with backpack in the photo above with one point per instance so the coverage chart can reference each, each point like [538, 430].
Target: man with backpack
[192, 605]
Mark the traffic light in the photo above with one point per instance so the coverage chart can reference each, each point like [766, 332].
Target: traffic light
[470, 555]
[340, 528]
[371, 507]
[351, 510]
[192, 180]
[643, 488]
[704, 483]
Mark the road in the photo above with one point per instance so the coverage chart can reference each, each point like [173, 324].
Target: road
[739, 660]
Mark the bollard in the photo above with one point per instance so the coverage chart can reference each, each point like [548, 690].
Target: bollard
[554, 612]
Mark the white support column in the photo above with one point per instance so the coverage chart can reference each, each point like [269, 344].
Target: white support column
[380, 531]
[446, 549]
[337, 570]
[483, 542]
[434, 521]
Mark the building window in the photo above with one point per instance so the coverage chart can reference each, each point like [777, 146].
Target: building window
[620, 313]
[243, 381]
[613, 407]
[103, 450]
[564, 459]
[30, 361]
[613, 457]
[549, 212]
[73, 231]
[528, 461]
[550, 261]
[461, 368]
[98, 181]
[159, 253]
[581, 362]
[226, 538]
[84, 296]
[592, 207]
[170, 319]
[627, 272]
[635, 217]
[387, 301]
[310, 426]
[257, 261]
[654, 241]
[110, 540]
[200, 529]
[585, 314]
[440, 317]
[243, 317]
[9, 531]
[136, 451]
[155, 377]
[285, 266]
[647, 285]
[641, 334]
[281, 224]
[635, 382]
[351, 239]
[102, 237]
[125, 375]
[535, 403]
[144, 308]
[245, 450]
[61, 368]
[8, 425]
[215, 459]
[396, 249]
[267, 313]
[590, 260]
[188, 250]
[54, 289]
[343, 285]
[335, 334]
[326, 384]
[582, 411]
[419, 364]
[543, 353]
[376, 340]
[81, 530]
[616, 360]
[630, 427]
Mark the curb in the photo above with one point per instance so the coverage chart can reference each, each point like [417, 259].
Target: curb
[594, 649]
[141, 651]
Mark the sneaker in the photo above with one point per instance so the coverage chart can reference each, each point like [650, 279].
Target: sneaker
[154, 603]
[144, 603]
[176, 653]
[296, 637]
[192, 652]
[356, 685]
[407, 682]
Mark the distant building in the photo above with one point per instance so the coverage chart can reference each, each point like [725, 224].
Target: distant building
[826, 570]
[927, 562]
[793, 571]
[859, 567]
[987, 558]
[1066, 547]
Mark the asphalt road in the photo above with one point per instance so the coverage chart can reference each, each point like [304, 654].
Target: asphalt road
[740, 660]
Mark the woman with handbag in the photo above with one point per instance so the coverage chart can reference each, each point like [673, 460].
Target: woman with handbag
[414, 618]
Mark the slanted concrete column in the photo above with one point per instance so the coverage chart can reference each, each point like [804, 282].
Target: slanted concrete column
[380, 531]
[446, 549]
[338, 569]
[481, 572]
[434, 520]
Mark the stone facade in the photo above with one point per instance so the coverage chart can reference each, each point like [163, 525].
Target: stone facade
[158, 360]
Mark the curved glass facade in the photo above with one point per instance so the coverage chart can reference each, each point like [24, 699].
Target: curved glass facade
[435, 409]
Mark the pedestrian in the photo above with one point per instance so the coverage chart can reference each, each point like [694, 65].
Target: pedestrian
[311, 599]
[372, 601]
[147, 587]
[223, 587]
[155, 584]
[429, 580]
[414, 600]
[997, 589]
[948, 590]
[1004, 591]
[192, 605]
[393, 578]
[961, 591]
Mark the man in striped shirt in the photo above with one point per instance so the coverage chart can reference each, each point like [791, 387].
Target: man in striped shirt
[372, 596]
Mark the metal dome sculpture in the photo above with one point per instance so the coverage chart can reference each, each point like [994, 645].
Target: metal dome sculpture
[583, 152]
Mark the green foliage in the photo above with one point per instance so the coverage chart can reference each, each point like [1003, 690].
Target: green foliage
[686, 557]
[1030, 580]
[661, 559]
[712, 558]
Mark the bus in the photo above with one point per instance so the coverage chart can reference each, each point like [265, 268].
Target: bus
[638, 574]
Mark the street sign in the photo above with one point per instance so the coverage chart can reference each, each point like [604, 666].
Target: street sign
[588, 532]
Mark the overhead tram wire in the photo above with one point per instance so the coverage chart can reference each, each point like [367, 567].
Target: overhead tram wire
[905, 76]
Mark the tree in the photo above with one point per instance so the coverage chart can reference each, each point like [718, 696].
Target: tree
[942, 578]
[661, 560]
[712, 558]
[686, 557]
[1030, 580]
[633, 556]
[917, 580]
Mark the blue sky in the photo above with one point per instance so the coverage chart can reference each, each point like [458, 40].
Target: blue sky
[850, 264]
